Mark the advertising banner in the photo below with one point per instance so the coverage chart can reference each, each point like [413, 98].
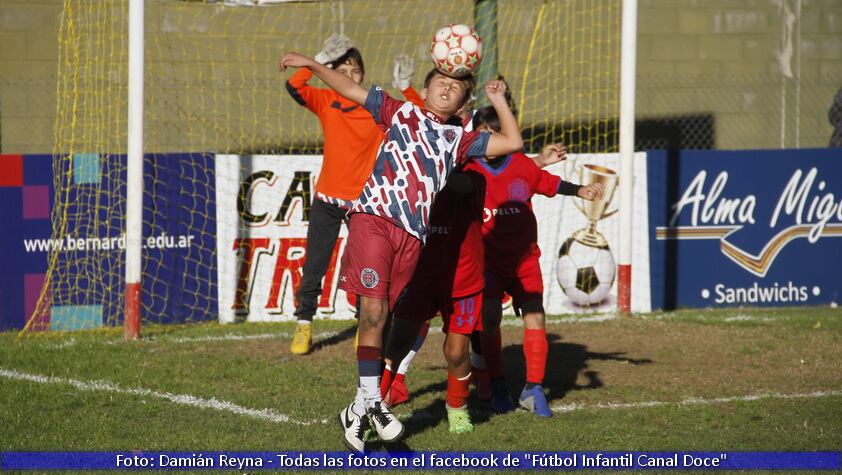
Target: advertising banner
[745, 228]
[86, 238]
[263, 213]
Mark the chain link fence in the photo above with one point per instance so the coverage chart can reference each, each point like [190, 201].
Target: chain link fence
[722, 112]
[734, 112]
[27, 115]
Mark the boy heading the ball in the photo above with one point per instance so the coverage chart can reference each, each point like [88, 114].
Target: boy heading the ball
[389, 220]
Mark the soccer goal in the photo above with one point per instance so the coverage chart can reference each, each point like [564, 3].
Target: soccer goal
[137, 132]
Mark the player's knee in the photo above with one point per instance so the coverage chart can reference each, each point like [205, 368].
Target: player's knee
[533, 316]
[456, 350]
[373, 312]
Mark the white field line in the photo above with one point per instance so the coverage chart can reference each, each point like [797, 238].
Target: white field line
[693, 401]
[207, 338]
[236, 337]
[509, 322]
[271, 416]
[183, 399]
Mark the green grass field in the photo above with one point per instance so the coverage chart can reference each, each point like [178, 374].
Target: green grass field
[734, 380]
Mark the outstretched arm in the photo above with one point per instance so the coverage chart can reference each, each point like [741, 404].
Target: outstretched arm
[551, 154]
[591, 192]
[509, 139]
[342, 84]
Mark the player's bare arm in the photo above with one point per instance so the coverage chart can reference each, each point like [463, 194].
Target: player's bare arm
[345, 86]
[550, 155]
[509, 139]
[591, 192]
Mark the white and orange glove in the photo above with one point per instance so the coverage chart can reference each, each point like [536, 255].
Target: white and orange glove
[403, 72]
[335, 46]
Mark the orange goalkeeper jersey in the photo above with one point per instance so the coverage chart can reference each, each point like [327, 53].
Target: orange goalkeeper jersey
[351, 139]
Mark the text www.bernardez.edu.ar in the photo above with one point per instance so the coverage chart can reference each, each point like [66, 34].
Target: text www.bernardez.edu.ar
[72, 243]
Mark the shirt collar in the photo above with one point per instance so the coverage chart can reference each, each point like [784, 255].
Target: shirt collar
[432, 116]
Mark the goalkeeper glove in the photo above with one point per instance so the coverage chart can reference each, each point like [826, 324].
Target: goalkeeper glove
[404, 69]
[335, 46]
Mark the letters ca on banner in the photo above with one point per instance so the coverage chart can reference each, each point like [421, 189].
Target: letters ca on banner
[263, 211]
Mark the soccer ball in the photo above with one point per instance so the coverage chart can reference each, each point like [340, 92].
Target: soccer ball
[585, 273]
[456, 50]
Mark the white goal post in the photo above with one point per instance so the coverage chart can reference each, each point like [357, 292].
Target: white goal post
[135, 149]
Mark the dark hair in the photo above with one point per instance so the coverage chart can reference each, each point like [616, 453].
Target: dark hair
[353, 54]
[468, 81]
[487, 116]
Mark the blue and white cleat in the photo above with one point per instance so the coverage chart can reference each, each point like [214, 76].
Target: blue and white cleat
[534, 401]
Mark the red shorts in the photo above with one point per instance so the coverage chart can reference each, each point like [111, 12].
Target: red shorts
[379, 258]
[527, 285]
[461, 315]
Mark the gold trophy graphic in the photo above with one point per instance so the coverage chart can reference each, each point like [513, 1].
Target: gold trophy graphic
[596, 209]
[585, 267]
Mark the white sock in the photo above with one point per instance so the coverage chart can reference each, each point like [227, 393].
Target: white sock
[406, 361]
[359, 403]
[304, 322]
[370, 386]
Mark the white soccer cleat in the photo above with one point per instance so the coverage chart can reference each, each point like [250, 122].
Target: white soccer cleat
[388, 427]
[353, 428]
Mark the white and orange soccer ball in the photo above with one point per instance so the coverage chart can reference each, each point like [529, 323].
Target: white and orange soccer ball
[456, 50]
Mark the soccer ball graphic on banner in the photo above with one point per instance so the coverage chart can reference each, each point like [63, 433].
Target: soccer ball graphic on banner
[585, 273]
[456, 50]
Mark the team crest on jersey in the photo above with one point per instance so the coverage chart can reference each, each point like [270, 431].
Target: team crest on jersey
[369, 278]
[519, 191]
[449, 135]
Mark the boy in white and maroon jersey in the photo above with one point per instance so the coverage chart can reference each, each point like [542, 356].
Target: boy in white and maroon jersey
[389, 220]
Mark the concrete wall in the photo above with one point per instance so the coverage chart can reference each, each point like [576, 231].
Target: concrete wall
[738, 60]
[28, 48]
[726, 59]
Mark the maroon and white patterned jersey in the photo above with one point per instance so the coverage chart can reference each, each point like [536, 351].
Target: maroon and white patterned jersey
[413, 162]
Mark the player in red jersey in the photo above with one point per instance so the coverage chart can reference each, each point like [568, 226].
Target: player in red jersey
[448, 280]
[451, 267]
[389, 219]
[511, 261]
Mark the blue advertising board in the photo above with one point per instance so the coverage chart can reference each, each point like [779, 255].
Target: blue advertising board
[86, 288]
[745, 228]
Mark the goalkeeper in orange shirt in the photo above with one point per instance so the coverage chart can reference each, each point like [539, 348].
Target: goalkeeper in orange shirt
[350, 144]
[351, 139]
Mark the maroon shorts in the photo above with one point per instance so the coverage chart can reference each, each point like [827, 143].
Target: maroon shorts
[527, 285]
[461, 315]
[379, 258]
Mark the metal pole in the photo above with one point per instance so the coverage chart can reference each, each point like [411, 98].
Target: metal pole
[485, 23]
[628, 65]
[134, 172]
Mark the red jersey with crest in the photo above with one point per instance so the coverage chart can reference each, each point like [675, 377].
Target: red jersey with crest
[413, 162]
[509, 227]
[452, 260]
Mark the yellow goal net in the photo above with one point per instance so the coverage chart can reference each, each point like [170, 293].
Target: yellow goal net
[212, 86]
